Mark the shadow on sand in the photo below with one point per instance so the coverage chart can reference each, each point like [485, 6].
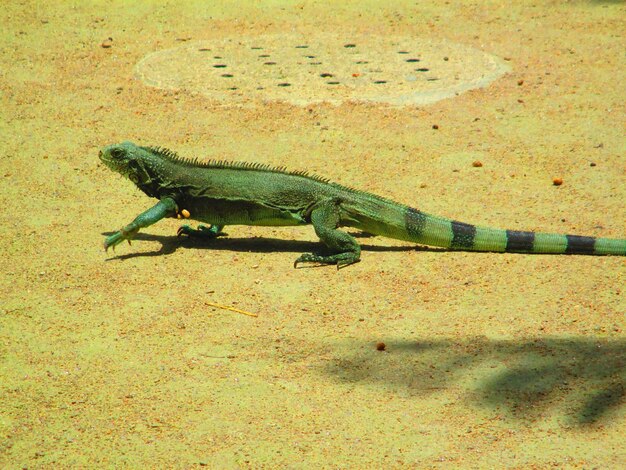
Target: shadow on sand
[169, 244]
[582, 377]
[524, 378]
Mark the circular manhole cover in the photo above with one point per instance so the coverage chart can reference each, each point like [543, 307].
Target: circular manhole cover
[324, 68]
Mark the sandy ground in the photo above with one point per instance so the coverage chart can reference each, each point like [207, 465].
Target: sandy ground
[116, 360]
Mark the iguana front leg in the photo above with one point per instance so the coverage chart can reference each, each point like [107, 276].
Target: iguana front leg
[166, 207]
[325, 218]
[212, 231]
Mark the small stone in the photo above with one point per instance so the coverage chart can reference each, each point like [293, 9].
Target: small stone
[381, 346]
[557, 181]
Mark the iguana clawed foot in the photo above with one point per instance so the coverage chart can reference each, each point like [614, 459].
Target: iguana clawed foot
[118, 237]
[202, 231]
[166, 207]
[340, 259]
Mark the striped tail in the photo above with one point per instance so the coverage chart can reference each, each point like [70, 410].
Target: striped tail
[438, 231]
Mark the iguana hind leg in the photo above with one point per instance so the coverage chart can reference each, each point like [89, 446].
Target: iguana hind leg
[325, 218]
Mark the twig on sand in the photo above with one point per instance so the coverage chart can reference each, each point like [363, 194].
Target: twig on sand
[232, 309]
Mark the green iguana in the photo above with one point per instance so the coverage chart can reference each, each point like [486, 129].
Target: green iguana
[223, 193]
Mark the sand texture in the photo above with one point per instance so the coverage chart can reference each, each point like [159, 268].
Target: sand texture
[118, 360]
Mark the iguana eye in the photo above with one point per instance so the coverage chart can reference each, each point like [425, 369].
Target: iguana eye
[117, 153]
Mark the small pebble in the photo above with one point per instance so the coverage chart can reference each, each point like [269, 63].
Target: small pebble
[557, 181]
[477, 164]
[380, 346]
[108, 42]
[520, 82]
[435, 126]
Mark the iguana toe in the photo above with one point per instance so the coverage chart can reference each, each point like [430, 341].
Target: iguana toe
[118, 237]
[183, 230]
[340, 259]
[201, 232]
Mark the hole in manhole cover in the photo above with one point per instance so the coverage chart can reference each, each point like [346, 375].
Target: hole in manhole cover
[363, 68]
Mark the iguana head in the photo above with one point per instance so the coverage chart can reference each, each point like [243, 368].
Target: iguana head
[130, 160]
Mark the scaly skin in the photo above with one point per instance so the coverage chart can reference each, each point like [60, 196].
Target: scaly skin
[222, 193]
